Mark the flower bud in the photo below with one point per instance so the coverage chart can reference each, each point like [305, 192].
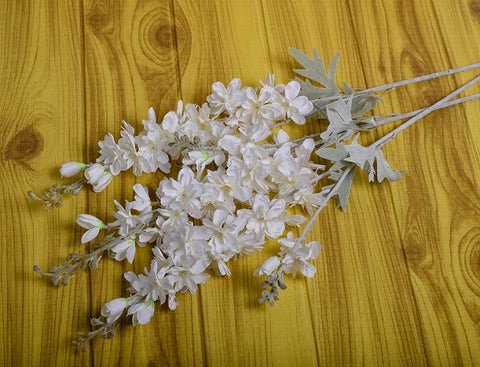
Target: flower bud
[93, 224]
[98, 177]
[141, 312]
[268, 267]
[88, 221]
[114, 309]
[70, 169]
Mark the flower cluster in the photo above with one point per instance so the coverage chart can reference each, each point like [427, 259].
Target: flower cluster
[233, 192]
[240, 179]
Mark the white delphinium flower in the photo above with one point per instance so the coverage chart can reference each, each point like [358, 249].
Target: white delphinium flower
[268, 267]
[174, 217]
[248, 243]
[131, 154]
[151, 285]
[187, 275]
[142, 200]
[200, 123]
[281, 137]
[125, 249]
[228, 185]
[307, 199]
[267, 217]
[226, 99]
[254, 177]
[255, 132]
[270, 82]
[126, 220]
[153, 144]
[210, 201]
[296, 107]
[151, 234]
[92, 224]
[98, 176]
[169, 283]
[259, 108]
[141, 312]
[289, 174]
[114, 309]
[200, 159]
[173, 120]
[112, 155]
[187, 242]
[295, 255]
[185, 190]
[224, 230]
[71, 169]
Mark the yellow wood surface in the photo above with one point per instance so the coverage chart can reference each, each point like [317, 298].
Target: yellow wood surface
[398, 278]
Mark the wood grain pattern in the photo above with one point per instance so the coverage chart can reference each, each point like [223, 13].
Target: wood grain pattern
[398, 279]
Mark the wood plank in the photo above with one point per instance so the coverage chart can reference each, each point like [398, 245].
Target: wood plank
[360, 300]
[131, 64]
[41, 126]
[228, 41]
[437, 202]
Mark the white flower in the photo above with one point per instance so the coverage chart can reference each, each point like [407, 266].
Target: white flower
[265, 217]
[225, 99]
[175, 217]
[200, 123]
[188, 276]
[297, 107]
[248, 243]
[228, 185]
[306, 198]
[126, 220]
[295, 255]
[224, 229]
[281, 137]
[130, 152]
[268, 267]
[93, 224]
[187, 242]
[186, 191]
[210, 202]
[70, 169]
[141, 312]
[270, 82]
[98, 176]
[114, 309]
[151, 234]
[200, 159]
[170, 122]
[223, 240]
[153, 144]
[152, 285]
[142, 200]
[289, 174]
[257, 109]
[112, 155]
[125, 249]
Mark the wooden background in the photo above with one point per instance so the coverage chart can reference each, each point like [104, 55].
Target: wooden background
[398, 280]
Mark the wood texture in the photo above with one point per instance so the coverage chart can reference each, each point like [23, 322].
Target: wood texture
[398, 278]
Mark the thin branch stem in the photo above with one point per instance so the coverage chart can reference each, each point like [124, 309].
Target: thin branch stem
[330, 194]
[382, 141]
[413, 113]
[402, 83]
[421, 78]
